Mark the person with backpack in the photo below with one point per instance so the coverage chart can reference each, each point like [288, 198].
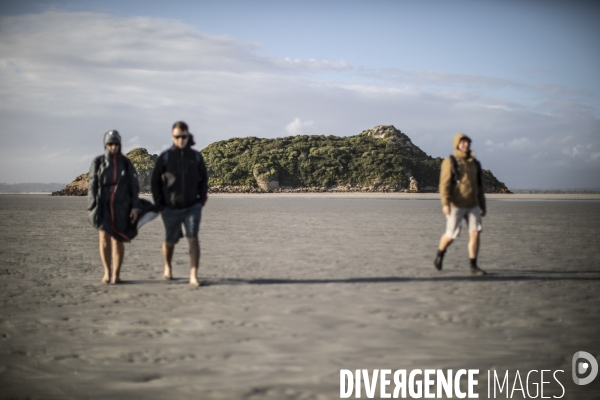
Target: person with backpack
[179, 189]
[462, 195]
[113, 204]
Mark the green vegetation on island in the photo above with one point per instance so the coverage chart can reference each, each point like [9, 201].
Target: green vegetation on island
[379, 157]
[144, 165]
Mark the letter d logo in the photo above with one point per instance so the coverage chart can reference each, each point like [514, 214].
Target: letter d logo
[583, 367]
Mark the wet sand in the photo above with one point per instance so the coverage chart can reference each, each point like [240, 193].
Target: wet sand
[296, 288]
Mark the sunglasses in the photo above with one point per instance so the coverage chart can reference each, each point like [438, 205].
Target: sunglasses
[112, 144]
[181, 137]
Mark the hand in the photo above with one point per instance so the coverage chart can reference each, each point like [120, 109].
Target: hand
[133, 214]
[482, 213]
[446, 210]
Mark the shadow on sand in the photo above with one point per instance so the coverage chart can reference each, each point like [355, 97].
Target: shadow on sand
[492, 276]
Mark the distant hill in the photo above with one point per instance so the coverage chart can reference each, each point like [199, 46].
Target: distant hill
[378, 159]
[30, 187]
[141, 160]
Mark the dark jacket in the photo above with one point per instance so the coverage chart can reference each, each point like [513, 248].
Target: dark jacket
[118, 199]
[179, 179]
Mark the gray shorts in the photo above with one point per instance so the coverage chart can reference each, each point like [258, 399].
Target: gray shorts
[454, 221]
[173, 218]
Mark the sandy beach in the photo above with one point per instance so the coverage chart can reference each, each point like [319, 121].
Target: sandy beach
[296, 288]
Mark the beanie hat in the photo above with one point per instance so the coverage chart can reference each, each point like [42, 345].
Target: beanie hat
[112, 137]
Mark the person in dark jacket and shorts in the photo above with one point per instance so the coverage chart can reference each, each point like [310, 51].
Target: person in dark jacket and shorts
[113, 203]
[179, 189]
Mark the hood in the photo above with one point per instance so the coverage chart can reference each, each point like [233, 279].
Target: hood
[459, 137]
[112, 137]
[457, 152]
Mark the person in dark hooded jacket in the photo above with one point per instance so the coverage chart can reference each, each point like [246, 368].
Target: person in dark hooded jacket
[113, 204]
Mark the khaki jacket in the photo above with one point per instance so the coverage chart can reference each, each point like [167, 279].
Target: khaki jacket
[466, 193]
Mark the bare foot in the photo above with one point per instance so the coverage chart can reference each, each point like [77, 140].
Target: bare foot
[194, 281]
[115, 281]
[105, 279]
[167, 274]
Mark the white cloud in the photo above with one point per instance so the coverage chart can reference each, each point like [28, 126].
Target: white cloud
[476, 83]
[566, 139]
[520, 144]
[312, 64]
[87, 157]
[131, 144]
[582, 152]
[134, 140]
[298, 127]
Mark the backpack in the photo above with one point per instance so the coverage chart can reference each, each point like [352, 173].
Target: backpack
[454, 178]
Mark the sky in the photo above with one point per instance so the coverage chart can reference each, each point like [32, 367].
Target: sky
[521, 78]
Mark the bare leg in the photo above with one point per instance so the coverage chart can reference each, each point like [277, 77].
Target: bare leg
[194, 260]
[473, 251]
[445, 242]
[105, 254]
[473, 244]
[168, 249]
[118, 252]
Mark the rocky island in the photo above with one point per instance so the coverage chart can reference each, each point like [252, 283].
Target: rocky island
[381, 159]
[141, 160]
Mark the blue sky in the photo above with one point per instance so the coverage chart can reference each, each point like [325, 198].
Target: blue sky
[521, 77]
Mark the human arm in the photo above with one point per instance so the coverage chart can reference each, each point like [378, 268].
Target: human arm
[156, 183]
[203, 183]
[92, 195]
[445, 185]
[481, 190]
[133, 187]
[481, 199]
